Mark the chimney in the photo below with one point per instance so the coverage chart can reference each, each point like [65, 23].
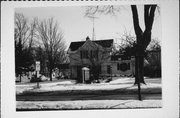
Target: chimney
[87, 38]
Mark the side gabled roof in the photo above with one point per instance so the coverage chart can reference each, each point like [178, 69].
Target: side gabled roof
[104, 43]
[75, 45]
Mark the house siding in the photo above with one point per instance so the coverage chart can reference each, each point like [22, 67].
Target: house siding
[114, 68]
[76, 60]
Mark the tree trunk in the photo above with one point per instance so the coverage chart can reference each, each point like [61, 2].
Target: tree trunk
[20, 77]
[50, 73]
[139, 72]
[50, 64]
[139, 69]
[142, 38]
[137, 79]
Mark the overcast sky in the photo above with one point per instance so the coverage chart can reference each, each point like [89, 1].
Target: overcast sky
[76, 27]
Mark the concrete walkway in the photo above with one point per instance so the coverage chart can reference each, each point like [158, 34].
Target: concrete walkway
[86, 105]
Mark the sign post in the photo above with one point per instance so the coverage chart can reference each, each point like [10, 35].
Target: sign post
[37, 72]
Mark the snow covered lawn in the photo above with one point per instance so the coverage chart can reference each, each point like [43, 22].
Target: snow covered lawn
[87, 104]
[125, 84]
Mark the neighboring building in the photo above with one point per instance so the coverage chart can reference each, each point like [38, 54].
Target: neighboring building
[123, 65]
[153, 68]
[97, 53]
[154, 57]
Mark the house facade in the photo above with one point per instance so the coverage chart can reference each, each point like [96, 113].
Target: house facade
[97, 54]
[89, 54]
[123, 65]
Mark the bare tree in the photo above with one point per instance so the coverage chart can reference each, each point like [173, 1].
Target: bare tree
[32, 33]
[24, 34]
[155, 44]
[21, 29]
[52, 39]
[143, 38]
[126, 44]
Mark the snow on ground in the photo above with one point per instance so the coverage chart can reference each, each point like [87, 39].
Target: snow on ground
[148, 85]
[89, 104]
[84, 87]
[43, 86]
[67, 85]
[122, 81]
[58, 87]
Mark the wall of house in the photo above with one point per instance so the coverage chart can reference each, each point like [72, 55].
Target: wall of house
[115, 70]
[77, 61]
[75, 56]
[73, 70]
[119, 72]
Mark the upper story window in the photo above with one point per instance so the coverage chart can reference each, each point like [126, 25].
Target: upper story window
[94, 54]
[84, 54]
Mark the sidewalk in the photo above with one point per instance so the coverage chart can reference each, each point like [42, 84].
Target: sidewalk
[86, 105]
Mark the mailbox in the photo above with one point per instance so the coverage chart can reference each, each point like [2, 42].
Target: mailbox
[85, 74]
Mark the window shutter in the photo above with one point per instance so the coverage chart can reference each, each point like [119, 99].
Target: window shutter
[86, 52]
[81, 55]
[96, 53]
[117, 66]
[91, 55]
[128, 66]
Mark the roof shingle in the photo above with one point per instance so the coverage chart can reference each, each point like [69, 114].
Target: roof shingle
[104, 43]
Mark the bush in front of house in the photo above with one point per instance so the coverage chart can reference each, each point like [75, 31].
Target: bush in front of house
[35, 79]
[152, 71]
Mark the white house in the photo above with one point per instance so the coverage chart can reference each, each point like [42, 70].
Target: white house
[97, 56]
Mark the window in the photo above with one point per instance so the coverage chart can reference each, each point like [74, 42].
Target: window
[94, 54]
[123, 66]
[118, 66]
[84, 54]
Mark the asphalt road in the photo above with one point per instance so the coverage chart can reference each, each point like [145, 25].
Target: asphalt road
[87, 97]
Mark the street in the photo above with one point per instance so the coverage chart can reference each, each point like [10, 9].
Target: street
[87, 97]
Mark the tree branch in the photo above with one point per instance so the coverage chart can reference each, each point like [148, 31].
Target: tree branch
[146, 15]
[137, 28]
